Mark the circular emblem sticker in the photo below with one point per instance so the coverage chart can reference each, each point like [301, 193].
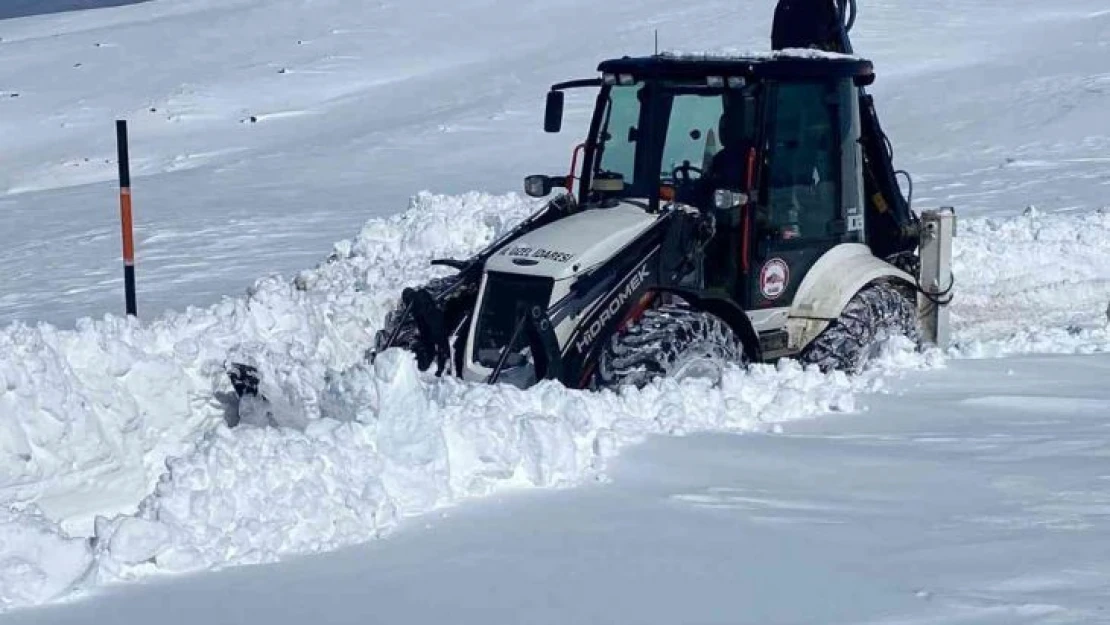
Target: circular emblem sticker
[773, 278]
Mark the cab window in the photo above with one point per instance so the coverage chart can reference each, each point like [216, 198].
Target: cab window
[692, 133]
[804, 172]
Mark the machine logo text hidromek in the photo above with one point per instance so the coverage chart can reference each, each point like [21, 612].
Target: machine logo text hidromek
[638, 277]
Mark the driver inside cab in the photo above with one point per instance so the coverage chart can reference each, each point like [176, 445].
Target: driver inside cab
[729, 167]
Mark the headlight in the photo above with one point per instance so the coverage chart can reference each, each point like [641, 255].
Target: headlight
[724, 199]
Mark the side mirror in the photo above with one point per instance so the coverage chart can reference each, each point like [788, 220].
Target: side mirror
[553, 113]
[541, 186]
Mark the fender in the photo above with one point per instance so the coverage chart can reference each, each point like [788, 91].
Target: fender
[727, 310]
[831, 283]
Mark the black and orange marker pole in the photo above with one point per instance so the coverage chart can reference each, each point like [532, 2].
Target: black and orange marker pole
[125, 219]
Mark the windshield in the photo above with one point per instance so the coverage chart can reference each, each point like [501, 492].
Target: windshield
[675, 140]
[620, 135]
[691, 140]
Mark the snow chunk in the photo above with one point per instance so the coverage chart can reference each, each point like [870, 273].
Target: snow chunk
[135, 540]
[38, 561]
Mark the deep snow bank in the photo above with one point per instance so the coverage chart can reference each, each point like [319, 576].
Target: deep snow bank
[1033, 283]
[88, 417]
[396, 443]
[114, 398]
[104, 406]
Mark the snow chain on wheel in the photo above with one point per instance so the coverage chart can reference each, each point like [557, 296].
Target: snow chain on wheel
[669, 341]
[876, 314]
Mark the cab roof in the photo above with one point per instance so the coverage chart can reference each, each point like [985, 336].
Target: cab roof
[778, 65]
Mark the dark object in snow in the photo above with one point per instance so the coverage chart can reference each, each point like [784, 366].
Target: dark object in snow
[244, 379]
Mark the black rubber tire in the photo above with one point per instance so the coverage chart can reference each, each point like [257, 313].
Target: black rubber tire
[669, 341]
[873, 316]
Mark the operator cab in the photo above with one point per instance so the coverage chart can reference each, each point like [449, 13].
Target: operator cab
[768, 145]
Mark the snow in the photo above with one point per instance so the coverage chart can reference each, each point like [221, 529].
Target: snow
[733, 54]
[377, 101]
[962, 495]
[381, 100]
[256, 494]
[106, 403]
[142, 408]
[378, 442]
[1034, 283]
[953, 487]
[37, 562]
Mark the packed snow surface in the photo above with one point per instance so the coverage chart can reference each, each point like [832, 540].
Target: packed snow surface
[975, 493]
[731, 54]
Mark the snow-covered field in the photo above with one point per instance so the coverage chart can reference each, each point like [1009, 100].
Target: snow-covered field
[362, 104]
[956, 490]
[972, 494]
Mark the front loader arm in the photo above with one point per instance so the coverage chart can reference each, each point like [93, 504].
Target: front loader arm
[440, 308]
[432, 312]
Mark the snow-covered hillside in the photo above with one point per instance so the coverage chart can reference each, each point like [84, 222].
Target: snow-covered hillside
[361, 104]
[358, 105]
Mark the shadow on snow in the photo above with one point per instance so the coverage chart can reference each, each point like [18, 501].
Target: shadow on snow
[24, 8]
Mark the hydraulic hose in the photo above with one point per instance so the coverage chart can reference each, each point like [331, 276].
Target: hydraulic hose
[848, 13]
